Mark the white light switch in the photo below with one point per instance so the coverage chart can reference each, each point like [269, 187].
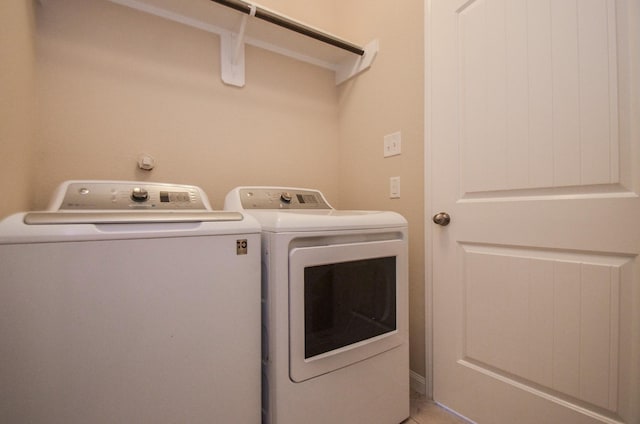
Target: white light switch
[394, 187]
[392, 144]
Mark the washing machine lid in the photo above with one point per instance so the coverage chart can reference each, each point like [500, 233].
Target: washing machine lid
[104, 210]
[14, 229]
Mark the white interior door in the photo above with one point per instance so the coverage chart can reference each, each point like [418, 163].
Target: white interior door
[534, 141]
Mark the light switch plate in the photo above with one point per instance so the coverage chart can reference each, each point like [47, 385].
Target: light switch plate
[392, 144]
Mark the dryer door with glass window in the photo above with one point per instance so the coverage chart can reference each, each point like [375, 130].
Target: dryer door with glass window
[343, 304]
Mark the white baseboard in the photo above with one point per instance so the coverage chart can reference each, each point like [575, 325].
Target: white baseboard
[417, 382]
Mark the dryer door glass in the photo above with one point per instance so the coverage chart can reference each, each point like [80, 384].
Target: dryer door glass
[345, 304]
[348, 302]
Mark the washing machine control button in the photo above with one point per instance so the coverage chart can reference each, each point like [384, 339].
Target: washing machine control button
[139, 194]
[286, 197]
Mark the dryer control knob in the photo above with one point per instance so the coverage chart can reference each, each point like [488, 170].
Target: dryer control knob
[139, 194]
[286, 197]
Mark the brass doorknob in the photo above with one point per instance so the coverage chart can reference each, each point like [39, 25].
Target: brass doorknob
[442, 218]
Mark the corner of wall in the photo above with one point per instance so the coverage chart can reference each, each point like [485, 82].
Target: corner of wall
[17, 48]
[387, 98]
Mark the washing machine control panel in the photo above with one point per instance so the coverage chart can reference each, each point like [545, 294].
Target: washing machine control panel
[282, 198]
[123, 195]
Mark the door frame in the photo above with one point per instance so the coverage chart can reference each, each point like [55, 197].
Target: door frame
[428, 228]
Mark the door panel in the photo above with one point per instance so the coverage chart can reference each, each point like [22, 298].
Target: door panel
[555, 317]
[538, 94]
[535, 155]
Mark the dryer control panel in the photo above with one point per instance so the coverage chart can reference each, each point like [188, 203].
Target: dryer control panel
[281, 198]
[127, 195]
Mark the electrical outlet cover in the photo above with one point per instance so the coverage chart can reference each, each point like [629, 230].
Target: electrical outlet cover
[394, 187]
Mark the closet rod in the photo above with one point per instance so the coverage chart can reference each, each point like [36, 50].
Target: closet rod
[268, 16]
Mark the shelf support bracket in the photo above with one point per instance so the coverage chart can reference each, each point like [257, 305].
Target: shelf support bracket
[232, 52]
[358, 64]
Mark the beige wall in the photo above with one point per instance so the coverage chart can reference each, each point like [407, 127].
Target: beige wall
[16, 103]
[114, 82]
[385, 99]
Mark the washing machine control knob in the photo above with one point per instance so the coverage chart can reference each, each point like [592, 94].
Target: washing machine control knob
[286, 197]
[139, 194]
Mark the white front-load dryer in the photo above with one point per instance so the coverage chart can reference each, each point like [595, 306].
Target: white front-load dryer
[334, 309]
[129, 302]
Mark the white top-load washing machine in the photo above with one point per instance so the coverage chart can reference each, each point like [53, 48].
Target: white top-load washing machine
[129, 302]
[335, 309]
